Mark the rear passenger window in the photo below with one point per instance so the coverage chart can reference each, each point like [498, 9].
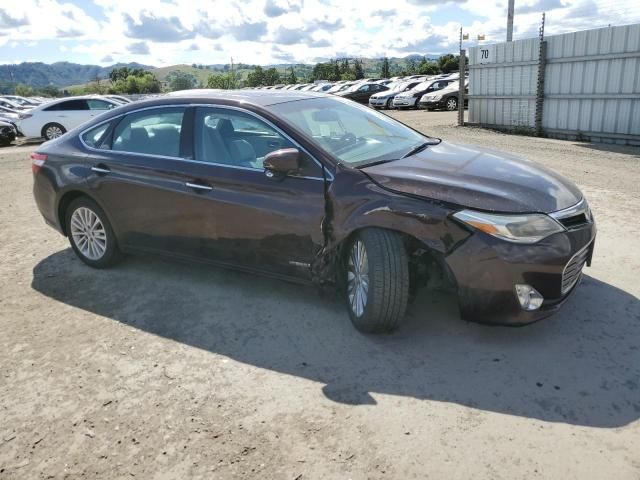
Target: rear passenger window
[152, 132]
[69, 105]
[95, 137]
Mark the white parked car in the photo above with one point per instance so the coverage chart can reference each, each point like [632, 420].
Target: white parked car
[410, 98]
[53, 119]
[23, 101]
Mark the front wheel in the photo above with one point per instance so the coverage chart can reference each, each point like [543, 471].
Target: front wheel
[377, 280]
[90, 233]
[390, 104]
[452, 104]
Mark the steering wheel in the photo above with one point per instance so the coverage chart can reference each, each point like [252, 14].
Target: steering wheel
[348, 138]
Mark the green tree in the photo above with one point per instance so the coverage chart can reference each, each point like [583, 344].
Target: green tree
[148, 83]
[449, 63]
[357, 69]
[24, 90]
[223, 81]
[271, 76]
[291, 77]
[323, 71]
[256, 78]
[385, 68]
[426, 67]
[119, 74]
[181, 81]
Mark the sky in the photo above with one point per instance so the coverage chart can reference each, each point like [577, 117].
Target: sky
[169, 32]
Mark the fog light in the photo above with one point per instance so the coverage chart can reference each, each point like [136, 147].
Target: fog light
[528, 297]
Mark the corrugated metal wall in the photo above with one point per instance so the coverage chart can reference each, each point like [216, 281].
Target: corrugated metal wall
[592, 84]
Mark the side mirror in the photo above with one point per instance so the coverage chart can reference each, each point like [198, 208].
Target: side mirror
[283, 161]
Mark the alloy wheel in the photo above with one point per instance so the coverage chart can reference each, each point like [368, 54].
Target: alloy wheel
[53, 131]
[452, 104]
[358, 278]
[88, 233]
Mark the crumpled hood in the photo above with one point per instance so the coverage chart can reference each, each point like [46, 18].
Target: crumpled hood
[478, 178]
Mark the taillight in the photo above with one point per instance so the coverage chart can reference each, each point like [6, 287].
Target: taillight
[37, 161]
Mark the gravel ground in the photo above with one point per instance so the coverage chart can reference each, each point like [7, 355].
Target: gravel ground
[156, 369]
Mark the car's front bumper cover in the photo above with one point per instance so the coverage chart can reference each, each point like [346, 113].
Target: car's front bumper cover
[486, 270]
[431, 103]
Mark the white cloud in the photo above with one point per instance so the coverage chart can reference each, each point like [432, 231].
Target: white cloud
[266, 31]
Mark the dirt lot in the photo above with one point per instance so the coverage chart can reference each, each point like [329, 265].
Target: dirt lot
[157, 369]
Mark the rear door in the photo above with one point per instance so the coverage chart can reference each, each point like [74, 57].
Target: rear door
[69, 113]
[140, 177]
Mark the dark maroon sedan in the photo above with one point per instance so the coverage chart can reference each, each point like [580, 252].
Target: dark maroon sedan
[319, 189]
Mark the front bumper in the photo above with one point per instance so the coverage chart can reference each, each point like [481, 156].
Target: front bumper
[404, 102]
[432, 104]
[486, 270]
[378, 102]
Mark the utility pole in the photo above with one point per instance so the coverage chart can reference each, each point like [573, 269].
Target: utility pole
[510, 21]
[233, 77]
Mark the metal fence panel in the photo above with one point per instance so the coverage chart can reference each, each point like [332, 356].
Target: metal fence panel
[591, 84]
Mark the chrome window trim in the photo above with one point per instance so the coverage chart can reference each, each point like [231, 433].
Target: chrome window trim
[330, 176]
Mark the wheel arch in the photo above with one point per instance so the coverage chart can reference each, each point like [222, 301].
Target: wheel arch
[71, 195]
[425, 262]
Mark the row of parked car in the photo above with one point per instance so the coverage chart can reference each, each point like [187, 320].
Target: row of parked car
[416, 91]
[49, 118]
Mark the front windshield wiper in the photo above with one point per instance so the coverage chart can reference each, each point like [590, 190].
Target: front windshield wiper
[419, 148]
[379, 162]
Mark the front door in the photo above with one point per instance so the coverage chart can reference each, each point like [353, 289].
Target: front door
[257, 220]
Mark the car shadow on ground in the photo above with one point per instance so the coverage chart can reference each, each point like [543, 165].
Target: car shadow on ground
[581, 366]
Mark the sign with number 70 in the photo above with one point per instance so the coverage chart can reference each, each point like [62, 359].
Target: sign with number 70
[486, 54]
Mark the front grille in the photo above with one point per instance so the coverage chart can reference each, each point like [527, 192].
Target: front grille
[573, 269]
[575, 221]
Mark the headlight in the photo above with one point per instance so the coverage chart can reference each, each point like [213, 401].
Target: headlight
[436, 98]
[518, 228]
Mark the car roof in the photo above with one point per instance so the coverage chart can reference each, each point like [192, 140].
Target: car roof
[261, 98]
[66, 99]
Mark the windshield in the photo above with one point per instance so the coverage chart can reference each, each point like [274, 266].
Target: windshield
[356, 86]
[355, 135]
[397, 86]
[423, 85]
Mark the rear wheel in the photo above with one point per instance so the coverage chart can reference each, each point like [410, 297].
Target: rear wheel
[90, 233]
[53, 130]
[452, 104]
[377, 280]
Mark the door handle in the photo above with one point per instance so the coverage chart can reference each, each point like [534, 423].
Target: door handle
[100, 170]
[199, 186]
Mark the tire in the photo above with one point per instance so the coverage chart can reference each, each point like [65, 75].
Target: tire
[53, 130]
[99, 249]
[390, 104]
[386, 273]
[452, 104]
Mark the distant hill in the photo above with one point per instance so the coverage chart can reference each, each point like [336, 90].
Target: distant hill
[66, 74]
[59, 74]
